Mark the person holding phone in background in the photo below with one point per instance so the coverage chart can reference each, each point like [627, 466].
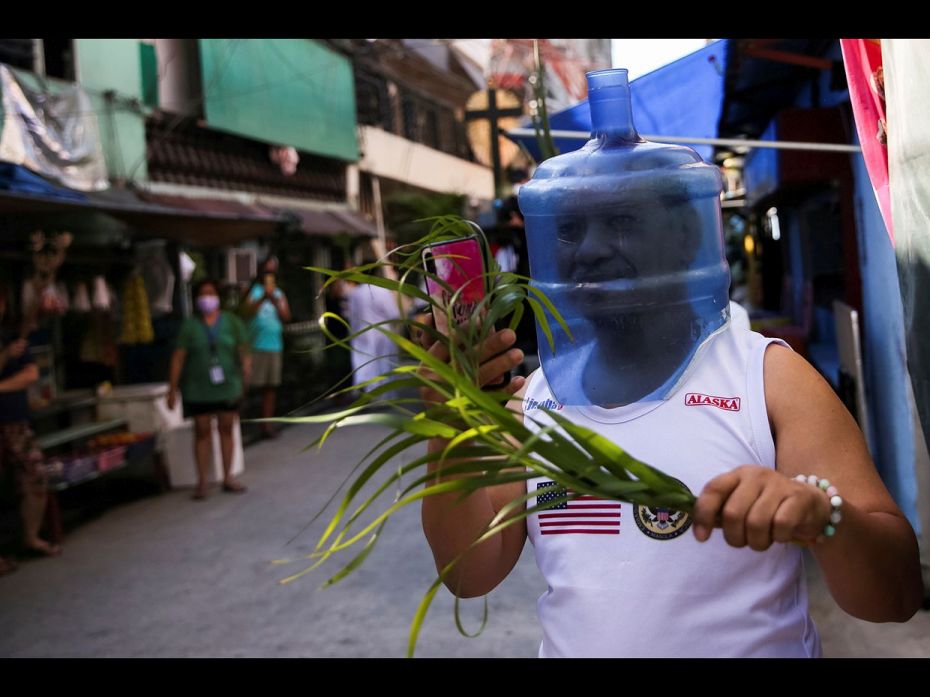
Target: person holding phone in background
[267, 306]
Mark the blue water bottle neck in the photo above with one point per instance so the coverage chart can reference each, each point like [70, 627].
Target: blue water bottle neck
[611, 110]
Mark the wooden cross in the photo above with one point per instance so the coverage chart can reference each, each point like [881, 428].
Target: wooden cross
[492, 114]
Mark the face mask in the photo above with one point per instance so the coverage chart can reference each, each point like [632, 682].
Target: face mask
[208, 303]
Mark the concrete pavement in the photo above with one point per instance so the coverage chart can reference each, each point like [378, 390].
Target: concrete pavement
[166, 576]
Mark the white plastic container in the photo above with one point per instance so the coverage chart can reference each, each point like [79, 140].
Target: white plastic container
[144, 406]
[178, 453]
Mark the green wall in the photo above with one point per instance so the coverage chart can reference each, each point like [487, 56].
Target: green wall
[113, 64]
[292, 92]
[148, 60]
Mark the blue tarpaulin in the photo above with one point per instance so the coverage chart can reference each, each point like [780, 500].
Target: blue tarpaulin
[18, 179]
[681, 99]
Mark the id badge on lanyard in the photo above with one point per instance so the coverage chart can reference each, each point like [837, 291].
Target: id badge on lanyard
[217, 375]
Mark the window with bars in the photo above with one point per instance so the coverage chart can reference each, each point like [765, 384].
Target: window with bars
[411, 117]
[366, 199]
[17, 53]
[58, 57]
[433, 125]
[373, 103]
[430, 133]
[48, 57]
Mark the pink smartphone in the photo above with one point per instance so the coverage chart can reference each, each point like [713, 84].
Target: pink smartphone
[460, 263]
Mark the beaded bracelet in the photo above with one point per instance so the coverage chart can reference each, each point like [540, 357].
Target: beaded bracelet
[835, 501]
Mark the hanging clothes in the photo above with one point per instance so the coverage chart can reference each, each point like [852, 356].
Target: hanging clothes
[137, 320]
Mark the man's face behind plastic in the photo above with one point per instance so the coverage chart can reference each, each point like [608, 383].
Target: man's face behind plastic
[625, 242]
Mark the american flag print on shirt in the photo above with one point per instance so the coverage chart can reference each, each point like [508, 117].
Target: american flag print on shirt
[586, 515]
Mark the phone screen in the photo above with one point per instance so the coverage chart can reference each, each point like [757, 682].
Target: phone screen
[460, 264]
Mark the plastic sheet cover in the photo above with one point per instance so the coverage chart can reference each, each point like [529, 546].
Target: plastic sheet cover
[55, 135]
[907, 95]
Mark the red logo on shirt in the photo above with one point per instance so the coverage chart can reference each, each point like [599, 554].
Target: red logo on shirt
[696, 399]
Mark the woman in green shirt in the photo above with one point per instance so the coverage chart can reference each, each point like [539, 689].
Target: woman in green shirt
[211, 363]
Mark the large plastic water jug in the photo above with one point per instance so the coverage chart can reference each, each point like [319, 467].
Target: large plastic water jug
[625, 238]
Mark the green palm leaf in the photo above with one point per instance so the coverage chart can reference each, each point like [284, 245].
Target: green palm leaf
[486, 443]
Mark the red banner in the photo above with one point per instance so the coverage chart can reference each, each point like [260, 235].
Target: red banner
[863, 61]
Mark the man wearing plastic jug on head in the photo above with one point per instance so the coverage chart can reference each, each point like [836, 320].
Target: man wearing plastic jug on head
[625, 238]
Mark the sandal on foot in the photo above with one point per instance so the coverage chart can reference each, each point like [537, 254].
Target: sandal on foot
[234, 487]
[47, 549]
[199, 495]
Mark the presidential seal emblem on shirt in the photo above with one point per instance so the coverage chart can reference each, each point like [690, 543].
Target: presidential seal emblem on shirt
[661, 523]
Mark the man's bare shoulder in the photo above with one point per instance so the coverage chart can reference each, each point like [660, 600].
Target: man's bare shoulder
[787, 375]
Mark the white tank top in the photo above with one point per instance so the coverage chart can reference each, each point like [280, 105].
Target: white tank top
[627, 581]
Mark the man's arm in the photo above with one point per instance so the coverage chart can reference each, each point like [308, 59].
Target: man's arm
[174, 375]
[250, 302]
[183, 343]
[871, 565]
[245, 353]
[21, 380]
[451, 526]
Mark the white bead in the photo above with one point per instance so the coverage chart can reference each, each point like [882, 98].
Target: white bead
[812, 480]
[801, 478]
[836, 517]
[836, 502]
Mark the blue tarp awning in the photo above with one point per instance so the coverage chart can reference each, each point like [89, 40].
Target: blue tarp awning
[681, 99]
[18, 179]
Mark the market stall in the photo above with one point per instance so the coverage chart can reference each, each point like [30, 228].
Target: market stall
[100, 296]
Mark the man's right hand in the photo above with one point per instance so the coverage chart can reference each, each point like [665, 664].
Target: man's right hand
[172, 399]
[496, 360]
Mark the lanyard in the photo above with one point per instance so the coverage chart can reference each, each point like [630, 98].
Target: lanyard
[212, 333]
